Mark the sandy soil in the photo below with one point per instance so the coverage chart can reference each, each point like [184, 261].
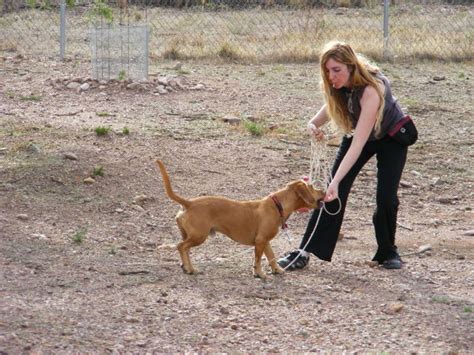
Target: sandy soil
[91, 267]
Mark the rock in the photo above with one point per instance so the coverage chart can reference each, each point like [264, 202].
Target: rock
[405, 184]
[33, 148]
[469, 233]
[232, 120]
[178, 66]
[424, 248]
[141, 199]
[447, 199]
[73, 85]
[85, 87]
[22, 217]
[163, 81]
[40, 236]
[435, 181]
[70, 156]
[197, 87]
[160, 89]
[395, 308]
[138, 208]
[439, 78]
[89, 180]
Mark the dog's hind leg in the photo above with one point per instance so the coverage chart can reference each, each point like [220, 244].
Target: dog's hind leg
[276, 269]
[191, 240]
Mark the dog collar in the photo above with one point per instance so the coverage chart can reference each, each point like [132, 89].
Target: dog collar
[280, 210]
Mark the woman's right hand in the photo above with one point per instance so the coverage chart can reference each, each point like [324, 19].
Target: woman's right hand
[315, 131]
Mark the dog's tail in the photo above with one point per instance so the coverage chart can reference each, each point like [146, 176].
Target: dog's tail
[168, 188]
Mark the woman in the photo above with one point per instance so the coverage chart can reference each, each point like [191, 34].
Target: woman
[359, 102]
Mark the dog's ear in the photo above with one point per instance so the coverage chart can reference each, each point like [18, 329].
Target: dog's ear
[303, 192]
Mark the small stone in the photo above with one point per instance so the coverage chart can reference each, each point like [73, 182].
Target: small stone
[140, 199]
[40, 236]
[424, 248]
[138, 208]
[73, 85]
[163, 81]
[197, 87]
[231, 120]
[70, 156]
[469, 233]
[160, 89]
[89, 180]
[395, 307]
[405, 184]
[85, 87]
[33, 148]
[22, 217]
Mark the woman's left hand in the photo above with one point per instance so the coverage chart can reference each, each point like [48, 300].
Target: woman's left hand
[332, 192]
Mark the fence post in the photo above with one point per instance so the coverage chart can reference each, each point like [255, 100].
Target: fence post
[62, 29]
[386, 53]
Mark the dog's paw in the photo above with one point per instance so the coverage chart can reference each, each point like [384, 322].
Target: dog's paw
[260, 275]
[278, 270]
[189, 271]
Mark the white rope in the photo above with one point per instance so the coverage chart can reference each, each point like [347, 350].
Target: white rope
[319, 169]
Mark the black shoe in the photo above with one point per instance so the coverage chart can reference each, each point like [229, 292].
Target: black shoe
[289, 259]
[393, 263]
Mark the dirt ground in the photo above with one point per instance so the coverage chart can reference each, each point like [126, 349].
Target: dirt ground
[90, 265]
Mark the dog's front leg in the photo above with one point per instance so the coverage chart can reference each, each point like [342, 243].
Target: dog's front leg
[259, 248]
[276, 269]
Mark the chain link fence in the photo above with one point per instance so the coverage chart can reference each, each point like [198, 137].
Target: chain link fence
[248, 30]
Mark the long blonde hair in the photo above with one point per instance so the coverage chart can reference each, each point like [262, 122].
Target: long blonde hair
[362, 74]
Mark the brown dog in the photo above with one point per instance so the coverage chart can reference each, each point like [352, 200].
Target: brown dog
[248, 222]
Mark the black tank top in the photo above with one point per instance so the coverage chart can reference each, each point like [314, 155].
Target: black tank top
[392, 112]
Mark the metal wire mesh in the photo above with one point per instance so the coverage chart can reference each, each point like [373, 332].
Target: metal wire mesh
[258, 30]
[120, 51]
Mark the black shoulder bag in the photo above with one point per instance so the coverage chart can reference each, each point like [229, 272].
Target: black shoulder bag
[404, 132]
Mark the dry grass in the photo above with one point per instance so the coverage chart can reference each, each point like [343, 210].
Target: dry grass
[264, 35]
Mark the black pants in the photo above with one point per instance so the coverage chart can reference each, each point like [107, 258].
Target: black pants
[391, 158]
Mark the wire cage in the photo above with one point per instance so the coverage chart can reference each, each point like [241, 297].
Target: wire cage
[119, 52]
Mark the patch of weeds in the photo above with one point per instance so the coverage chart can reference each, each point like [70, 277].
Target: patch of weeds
[461, 75]
[30, 98]
[172, 53]
[125, 131]
[9, 94]
[256, 129]
[467, 309]
[278, 68]
[102, 131]
[183, 72]
[103, 114]
[98, 171]
[440, 299]
[79, 236]
[113, 251]
[122, 75]
[226, 51]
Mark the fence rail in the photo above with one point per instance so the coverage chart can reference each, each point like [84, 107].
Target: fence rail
[261, 30]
